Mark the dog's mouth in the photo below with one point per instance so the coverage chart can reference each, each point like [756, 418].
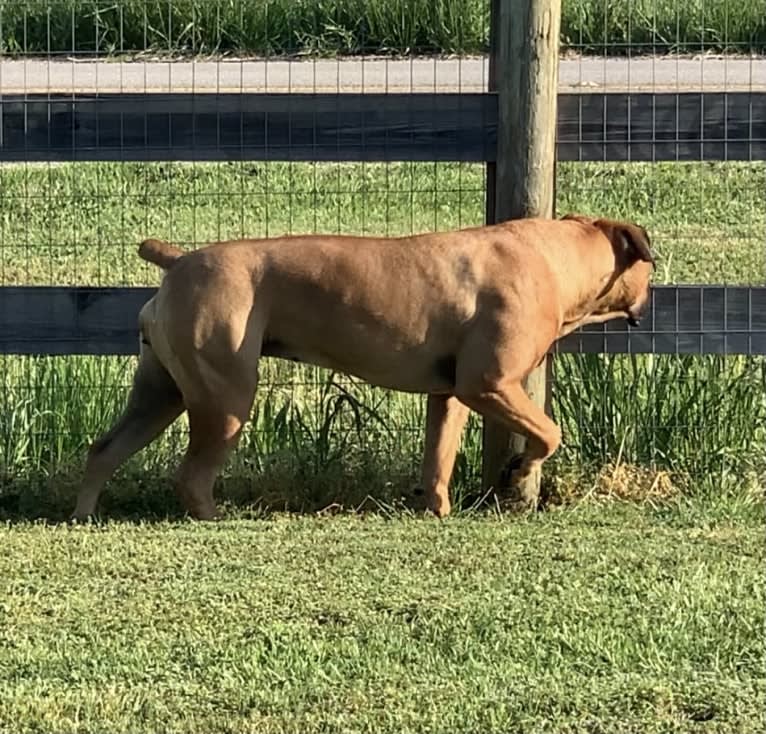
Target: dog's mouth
[633, 320]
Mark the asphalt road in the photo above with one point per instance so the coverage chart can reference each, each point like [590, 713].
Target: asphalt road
[371, 75]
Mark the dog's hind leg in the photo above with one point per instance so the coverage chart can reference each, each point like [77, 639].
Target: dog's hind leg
[214, 431]
[218, 383]
[153, 404]
[445, 419]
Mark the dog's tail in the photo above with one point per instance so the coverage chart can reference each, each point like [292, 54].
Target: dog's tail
[160, 253]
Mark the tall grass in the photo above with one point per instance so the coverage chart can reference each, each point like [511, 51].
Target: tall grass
[356, 26]
[316, 438]
[617, 27]
[703, 419]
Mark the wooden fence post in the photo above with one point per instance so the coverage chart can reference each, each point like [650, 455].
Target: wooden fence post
[523, 71]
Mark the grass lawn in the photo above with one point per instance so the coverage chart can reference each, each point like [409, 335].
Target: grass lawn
[601, 617]
[593, 617]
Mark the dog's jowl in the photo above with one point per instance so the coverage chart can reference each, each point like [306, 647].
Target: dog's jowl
[461, 316]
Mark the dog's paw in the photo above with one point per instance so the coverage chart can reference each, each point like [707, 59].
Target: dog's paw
[523, 495]
[516, 493]
[510, 470]
[419, 501]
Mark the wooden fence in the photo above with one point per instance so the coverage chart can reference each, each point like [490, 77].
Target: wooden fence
[376, 127]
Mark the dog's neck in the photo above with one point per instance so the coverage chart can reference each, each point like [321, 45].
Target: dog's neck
[587, 306]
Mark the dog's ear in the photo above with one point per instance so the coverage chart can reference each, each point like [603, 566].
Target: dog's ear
[630, 241]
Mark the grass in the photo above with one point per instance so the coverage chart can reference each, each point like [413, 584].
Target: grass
[317, 439]
[632, 426]
[606, 618]
[80, 223]
[277, 27]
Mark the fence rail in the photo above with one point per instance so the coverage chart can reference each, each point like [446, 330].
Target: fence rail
[667, 126]
[100, 321]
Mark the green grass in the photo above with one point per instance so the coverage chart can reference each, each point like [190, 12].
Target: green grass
[605, 618]
[373, 26]
[316, 439]
[80, 224]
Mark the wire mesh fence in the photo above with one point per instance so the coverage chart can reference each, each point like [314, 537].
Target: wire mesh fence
[91, 166]
[694, 420]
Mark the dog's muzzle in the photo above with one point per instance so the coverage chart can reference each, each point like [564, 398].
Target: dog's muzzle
[635, 315]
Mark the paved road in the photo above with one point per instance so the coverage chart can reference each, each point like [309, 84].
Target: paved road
[371, 75]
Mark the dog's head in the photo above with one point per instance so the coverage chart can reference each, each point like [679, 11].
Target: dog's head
[627, 291]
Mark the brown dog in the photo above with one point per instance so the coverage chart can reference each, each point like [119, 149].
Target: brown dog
[462, 316]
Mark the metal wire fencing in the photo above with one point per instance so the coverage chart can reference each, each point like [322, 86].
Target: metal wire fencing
[691, 169]
[88, 183]
[197, 122]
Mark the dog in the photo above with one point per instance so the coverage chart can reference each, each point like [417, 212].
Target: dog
[462, 316]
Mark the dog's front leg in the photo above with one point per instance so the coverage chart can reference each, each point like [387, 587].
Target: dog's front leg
[445, 418]
[507, 402]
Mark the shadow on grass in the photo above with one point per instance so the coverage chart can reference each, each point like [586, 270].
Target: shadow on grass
[146, 496]
[149, 497]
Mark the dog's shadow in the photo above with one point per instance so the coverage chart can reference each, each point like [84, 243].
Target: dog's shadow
[51, 500]
[148, 497]
[143, 500]
[155, 503]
